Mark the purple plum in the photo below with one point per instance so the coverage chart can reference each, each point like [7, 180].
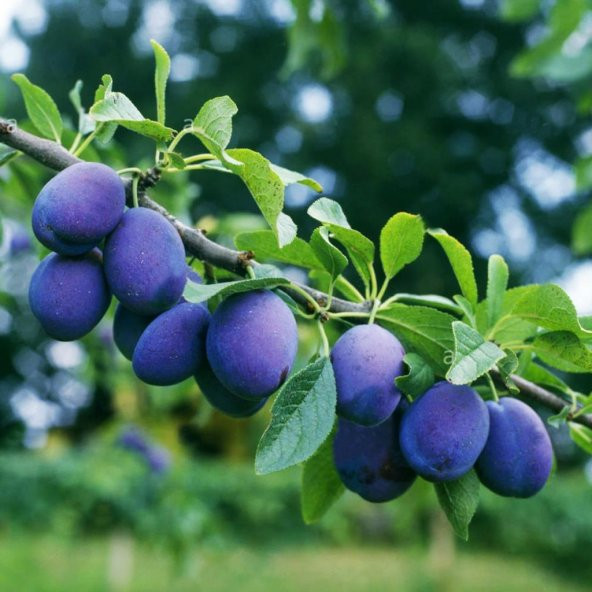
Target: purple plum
[222, 399]
[444, 431]
[145, 262]
[518, 456]
[69, 295]
[78, 207]
[366, 360]
[252, 343]
[172, 347]
[369, 459]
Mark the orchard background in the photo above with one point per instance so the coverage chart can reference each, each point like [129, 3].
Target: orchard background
[473, 114]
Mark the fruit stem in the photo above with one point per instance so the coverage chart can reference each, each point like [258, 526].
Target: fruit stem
[135, 182]
[373, 282]
[198, 157]
[134, 170]
[179, 137]
[75, 143]
[324, 339]
[346, 315]
[313, 303]
[383, 289]
[88, 140]
[374, 311]
[492, 387]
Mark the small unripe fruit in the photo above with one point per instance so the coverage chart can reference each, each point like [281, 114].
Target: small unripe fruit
[172, 347]
[252, 343]
[145, 262]
[69, 296]
[222, 399]
[444, 431]
[518, 456]
[369, 459]
[366, 360]
[78, 207]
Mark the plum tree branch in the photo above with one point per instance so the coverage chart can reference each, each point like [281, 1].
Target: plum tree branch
[198, 245]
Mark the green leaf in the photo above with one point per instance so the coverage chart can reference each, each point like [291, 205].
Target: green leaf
[161, 76]
[548, 306]
[321, 485]
[564, 351]
[434, 300]
[581, 239]
[508, 366]
[301, 418]
[359, 248]
[213, 126]
[328, 211]
[266, 188]
[459, 500]
[473, 356]
[582, 436]
[117, 108]
[289, 177]
[107, 130]
[201, 292]
[41, 108]
[508, 328]
[497, 283]
[105, 88]
[401, 241]
[461, 262]
[177, 160]
[333, 260]
[426, 331]
[419, 378]
[265, 246]
[86, 124]
[467, 309]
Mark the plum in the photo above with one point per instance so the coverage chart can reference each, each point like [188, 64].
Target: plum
[252, 343]
[222, 399]
[69, 295]
[78, 207]
[145, 262]
[172, 347]
[444, 431]
[369, 459]
[517, 458]
[128, 326]
[366, 360]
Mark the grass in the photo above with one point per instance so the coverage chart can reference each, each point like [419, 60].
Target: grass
[52, 564]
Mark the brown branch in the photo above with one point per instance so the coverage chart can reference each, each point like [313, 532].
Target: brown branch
[198, 245]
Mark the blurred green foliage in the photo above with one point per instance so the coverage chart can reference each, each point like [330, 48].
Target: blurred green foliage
[103, 489]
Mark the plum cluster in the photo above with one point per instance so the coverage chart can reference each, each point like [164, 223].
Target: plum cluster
[239, 355]
[245, 350]
[382, 443]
